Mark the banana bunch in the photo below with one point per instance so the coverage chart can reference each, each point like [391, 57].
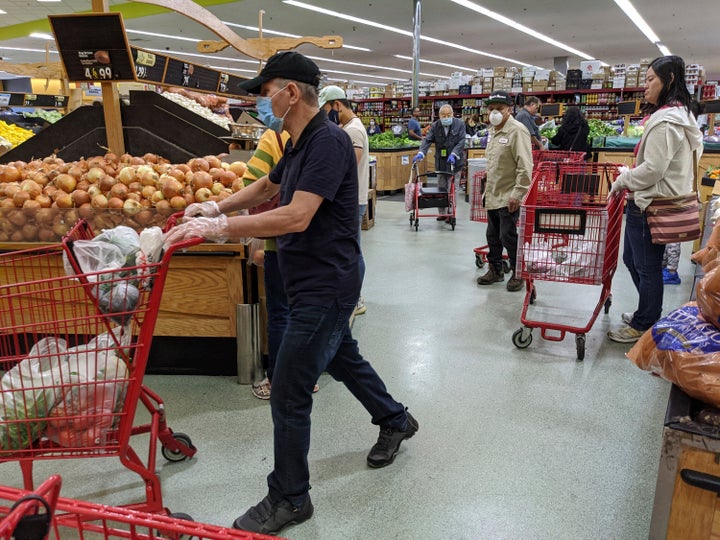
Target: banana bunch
[14, 134]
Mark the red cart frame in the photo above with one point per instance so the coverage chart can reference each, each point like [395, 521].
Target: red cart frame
[479, 213]
[432, 197]
[74, 349]
[569, 231]
[65, 518]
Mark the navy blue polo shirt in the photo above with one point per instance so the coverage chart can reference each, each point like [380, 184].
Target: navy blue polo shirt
[319, 266]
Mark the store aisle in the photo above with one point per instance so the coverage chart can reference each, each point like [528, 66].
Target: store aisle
[513, 444]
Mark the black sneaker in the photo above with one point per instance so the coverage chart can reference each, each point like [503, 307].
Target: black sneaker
[270, 518]
[388, 443]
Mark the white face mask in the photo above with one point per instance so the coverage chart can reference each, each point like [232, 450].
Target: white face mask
[496, 118]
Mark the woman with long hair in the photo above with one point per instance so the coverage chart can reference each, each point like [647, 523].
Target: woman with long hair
[663, 168]
[573, 132]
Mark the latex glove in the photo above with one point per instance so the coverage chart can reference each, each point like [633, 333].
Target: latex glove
[205, 209]
[451, 159]
[615, 188]
[418, 157]
[623, 169]
[214, 229]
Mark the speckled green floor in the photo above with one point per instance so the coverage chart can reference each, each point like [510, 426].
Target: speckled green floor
[513, 444]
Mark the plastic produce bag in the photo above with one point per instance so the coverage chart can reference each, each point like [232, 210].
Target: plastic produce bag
[94, 392]
[683, 349]
[112, 249]
[29, 391]
[151, 247]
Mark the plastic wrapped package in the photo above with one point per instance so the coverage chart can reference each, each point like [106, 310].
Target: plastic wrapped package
[684, 349]
[708, 297]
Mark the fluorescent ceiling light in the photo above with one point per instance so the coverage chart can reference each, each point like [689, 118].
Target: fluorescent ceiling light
[285, 34]
[167, 36]
[522, 28]
[205, 56]
[403, 57]
[223, 68]
[49, 0]
[372, 66]
[3, 12]
[21, 49]
[41, 35]
[346, 17]
[637, 19]
[642, 25]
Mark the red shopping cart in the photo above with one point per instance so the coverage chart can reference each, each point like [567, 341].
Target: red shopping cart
[74, 350]
[67, 518]
[478, 211]
[568, 232]
[425, 197]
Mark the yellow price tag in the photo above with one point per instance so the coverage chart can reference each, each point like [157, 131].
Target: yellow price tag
[145, 58]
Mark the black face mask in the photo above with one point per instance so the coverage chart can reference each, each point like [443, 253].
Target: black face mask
[334, 116]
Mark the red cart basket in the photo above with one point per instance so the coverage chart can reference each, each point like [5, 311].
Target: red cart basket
[478, 211]
[568, 232]
[74, 350]
[425, 197]
[42, 514]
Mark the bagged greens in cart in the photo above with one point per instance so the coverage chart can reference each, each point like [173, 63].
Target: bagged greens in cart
[68, 394]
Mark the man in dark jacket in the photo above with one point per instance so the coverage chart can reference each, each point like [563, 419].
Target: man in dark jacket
[448, 135]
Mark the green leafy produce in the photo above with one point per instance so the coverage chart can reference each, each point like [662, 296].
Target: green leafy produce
[49, 116]
[549, 132]
[598, 128]
[388, 141]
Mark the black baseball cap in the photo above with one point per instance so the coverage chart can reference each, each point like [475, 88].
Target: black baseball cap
[285, 65]
[499, 96]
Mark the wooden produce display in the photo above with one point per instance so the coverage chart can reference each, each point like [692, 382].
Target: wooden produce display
[393, 167]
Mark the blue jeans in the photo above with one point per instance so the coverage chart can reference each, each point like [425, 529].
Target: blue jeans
[361, 262]
[644, 261]
[277, 308]
[317, 339]
[501, 233]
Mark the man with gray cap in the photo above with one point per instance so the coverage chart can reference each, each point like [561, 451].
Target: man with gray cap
[318, 249]
[509, 167]
[334, 99]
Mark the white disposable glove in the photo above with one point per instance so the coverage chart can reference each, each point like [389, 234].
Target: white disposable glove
[623, 169]
[205, 209]
[213, 229]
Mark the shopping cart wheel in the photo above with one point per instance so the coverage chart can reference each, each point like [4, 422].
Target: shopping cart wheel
[522, 338]
[453, 221]
[506, 266]
[607, 304]
[417, 222]
[479, 262]
[412, 218]
[580, 345]
[177, 455]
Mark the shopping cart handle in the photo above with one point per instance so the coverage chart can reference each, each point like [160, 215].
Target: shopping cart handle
[171, 222]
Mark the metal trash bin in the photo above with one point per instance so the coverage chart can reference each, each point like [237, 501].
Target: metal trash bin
[249, 354]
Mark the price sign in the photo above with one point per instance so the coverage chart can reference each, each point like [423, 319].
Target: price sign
[625, 108]
[4, 100]
[193, 76]
[551, 109]
[149, 67]
[230, 84]
[93, 47]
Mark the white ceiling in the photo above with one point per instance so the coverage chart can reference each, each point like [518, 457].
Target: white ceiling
[596, 27]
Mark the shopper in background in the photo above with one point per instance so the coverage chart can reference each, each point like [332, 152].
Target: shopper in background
[333, 98]
[509, 166]
[318, 250]
[448, 136]
[572, 135]
[663, 168]
[414, 129]
[526, 116]
[670, 262]
[472, 125]
[373, 128]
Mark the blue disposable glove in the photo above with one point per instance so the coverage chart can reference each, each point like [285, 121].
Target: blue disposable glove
[451, 159]
[418, 157]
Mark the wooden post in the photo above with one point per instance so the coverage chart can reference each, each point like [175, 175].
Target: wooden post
[111, 102]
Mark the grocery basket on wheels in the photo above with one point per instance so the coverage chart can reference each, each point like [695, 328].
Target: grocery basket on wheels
[556, 156]
[478, 212]
[425, 197]
[568, 232]
[42, 514]
[74, 350]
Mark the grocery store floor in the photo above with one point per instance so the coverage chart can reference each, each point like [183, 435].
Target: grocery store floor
[513, 444]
